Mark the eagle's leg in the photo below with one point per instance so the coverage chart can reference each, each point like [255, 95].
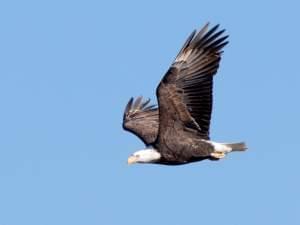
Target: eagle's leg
[218, 155]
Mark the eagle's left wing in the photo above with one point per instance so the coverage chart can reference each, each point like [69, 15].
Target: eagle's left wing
[141, 119]
[185, 92]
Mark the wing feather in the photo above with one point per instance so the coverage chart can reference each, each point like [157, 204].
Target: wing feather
[185, 92]
[141, 119]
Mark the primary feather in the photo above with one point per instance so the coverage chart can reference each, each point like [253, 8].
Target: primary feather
[141, 119]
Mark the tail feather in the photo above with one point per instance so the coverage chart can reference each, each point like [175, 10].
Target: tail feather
[241, 146]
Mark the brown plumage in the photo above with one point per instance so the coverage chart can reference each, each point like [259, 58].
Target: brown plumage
[141, 119]
[179, 128]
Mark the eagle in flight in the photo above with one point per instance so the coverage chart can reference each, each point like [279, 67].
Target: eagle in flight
[177, 130]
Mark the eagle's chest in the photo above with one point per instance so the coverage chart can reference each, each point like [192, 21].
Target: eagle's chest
[175, 146]
[179, 145]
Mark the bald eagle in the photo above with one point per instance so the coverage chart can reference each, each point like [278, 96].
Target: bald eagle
[177, 130]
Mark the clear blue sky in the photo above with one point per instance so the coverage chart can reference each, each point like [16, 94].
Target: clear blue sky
[69, 67]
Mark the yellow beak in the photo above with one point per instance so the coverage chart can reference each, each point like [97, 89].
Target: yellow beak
[132, 159]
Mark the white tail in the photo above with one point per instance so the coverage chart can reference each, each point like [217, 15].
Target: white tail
[241, 146]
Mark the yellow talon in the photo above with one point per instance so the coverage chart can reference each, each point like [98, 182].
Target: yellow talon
[218, 155]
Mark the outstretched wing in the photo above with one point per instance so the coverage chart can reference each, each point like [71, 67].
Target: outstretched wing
[141, 119]
[185, 92]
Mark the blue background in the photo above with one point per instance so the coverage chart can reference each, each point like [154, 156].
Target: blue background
[69, 67]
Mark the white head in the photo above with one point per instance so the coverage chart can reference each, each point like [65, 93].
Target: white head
[144, 156]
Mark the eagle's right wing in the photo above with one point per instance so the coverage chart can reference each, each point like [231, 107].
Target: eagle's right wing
[141, 119]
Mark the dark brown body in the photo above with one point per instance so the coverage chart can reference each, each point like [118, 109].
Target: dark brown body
[183, 150]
